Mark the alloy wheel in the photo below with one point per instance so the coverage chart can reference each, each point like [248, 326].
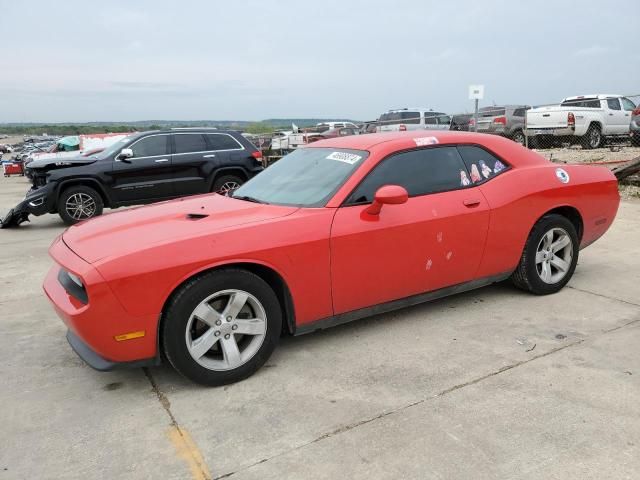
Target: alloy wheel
[228, 187]
[594, 138]
[80, 206]
[226, 330]
[554, 255]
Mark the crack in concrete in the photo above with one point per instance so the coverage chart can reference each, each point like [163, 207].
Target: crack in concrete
[185, 445]
[351, 426]
[603, 296]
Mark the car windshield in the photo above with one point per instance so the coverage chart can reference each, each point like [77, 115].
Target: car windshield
[308, 177]
[113, 149]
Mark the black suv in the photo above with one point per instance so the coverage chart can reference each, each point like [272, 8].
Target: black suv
[144, 167]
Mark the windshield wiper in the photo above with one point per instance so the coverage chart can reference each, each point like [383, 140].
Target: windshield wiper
[249, 199]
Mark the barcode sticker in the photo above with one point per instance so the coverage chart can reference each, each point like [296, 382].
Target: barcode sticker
[420, 142]
[349, 158]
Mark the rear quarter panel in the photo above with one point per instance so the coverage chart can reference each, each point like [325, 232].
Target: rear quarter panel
[521, 196]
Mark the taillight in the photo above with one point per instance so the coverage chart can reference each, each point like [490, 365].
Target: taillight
[571, 119]
[472, 122]
[403, 128]
[636, 112]
[257, 155]
[502, 120]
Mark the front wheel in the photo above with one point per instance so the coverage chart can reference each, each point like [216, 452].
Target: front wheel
[549, 257]
[221, 327]
[79, 203]
[518, 137]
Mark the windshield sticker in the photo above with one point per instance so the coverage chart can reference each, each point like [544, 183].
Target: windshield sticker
[421, 142]
[349, 158]
[484, 168]
[498, 166]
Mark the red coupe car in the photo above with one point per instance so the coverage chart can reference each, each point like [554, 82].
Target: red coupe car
[337, 231]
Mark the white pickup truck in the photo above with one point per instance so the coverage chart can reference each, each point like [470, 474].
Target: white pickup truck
[586, 119]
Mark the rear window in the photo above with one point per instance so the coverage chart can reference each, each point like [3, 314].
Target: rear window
[190, 142]
[219, 141]
[492, 112]
[581, 103]
[519, 112]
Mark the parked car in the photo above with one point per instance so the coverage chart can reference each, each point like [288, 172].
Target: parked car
[324, 126]
[6, 149]
[460, 122]
[507, 120]
[336, 231]
[139, 169]
[331, 133]
[280, 140]
[587, 119]
[635, 127]
[413, 119]
[369, 127]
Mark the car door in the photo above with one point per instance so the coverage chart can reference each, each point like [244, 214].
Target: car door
[190, 160]
[147, 175]
[617, 122]
[434, 240]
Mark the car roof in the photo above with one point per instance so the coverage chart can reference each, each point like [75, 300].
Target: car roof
[186, 130]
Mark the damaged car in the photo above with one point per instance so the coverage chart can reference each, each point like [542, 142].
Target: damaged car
[139, 169]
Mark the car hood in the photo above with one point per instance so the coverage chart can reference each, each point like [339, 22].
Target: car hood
[51, 163]
[125, 232]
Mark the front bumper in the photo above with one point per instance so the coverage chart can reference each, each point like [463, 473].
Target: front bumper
[97, 326]
[38, 201]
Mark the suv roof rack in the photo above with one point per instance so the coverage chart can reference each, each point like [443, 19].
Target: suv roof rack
[194, 128]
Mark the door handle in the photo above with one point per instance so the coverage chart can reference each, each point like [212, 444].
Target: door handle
[471, 202]
[209, 156]
[161, 160]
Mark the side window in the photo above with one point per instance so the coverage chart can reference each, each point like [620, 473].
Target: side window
[613, 104]
[421, 172]
[219, 141]
[150, 146]
[480, 163]
[189, 142]
[444, 119]
[430, 120]
[627, 104]
[518, 112]
[410, 117]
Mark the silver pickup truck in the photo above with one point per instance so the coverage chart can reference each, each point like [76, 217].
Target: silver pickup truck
[588, 120]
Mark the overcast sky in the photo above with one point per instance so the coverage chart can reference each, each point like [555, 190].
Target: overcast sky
[251, 60]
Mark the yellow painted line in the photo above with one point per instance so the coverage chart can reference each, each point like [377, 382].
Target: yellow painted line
[129, 336]
[189, 452]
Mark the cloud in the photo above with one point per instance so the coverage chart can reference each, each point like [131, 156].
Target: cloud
[592, 51]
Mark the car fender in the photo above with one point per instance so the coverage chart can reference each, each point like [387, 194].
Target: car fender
[84, 181]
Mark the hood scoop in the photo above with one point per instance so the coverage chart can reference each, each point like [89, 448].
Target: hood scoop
[196, 216]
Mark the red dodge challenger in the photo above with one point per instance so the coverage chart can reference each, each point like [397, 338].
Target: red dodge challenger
[342, 229]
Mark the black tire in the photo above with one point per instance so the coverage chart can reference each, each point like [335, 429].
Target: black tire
[224, 184]
[593, 138]
[526, 276]
[68, 215]
[635, 140]
[518, 137]
[175, 321]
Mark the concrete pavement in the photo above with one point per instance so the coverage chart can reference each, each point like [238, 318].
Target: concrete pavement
[493, 383]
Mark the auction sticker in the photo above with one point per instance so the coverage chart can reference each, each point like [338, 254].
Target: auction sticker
[421, 142]
[349, 158]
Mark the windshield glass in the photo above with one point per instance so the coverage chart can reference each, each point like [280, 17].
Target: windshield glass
[307, 177]
[113, 149]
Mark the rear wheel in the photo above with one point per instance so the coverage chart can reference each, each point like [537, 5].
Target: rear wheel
[221, 327]
[79, 203]
[226, 184]
[518, 137]
[593, 138]
[549, 257]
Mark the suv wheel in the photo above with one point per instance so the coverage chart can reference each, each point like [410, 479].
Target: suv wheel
[518, 137]
[79, 203]
[226, 184]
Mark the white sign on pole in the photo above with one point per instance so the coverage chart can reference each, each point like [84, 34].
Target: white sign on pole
[476, 92]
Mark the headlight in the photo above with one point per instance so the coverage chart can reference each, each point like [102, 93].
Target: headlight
[73, 285]
[76, 279]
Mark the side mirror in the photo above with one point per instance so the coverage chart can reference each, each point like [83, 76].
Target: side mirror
[124, 155]
[387, 195]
